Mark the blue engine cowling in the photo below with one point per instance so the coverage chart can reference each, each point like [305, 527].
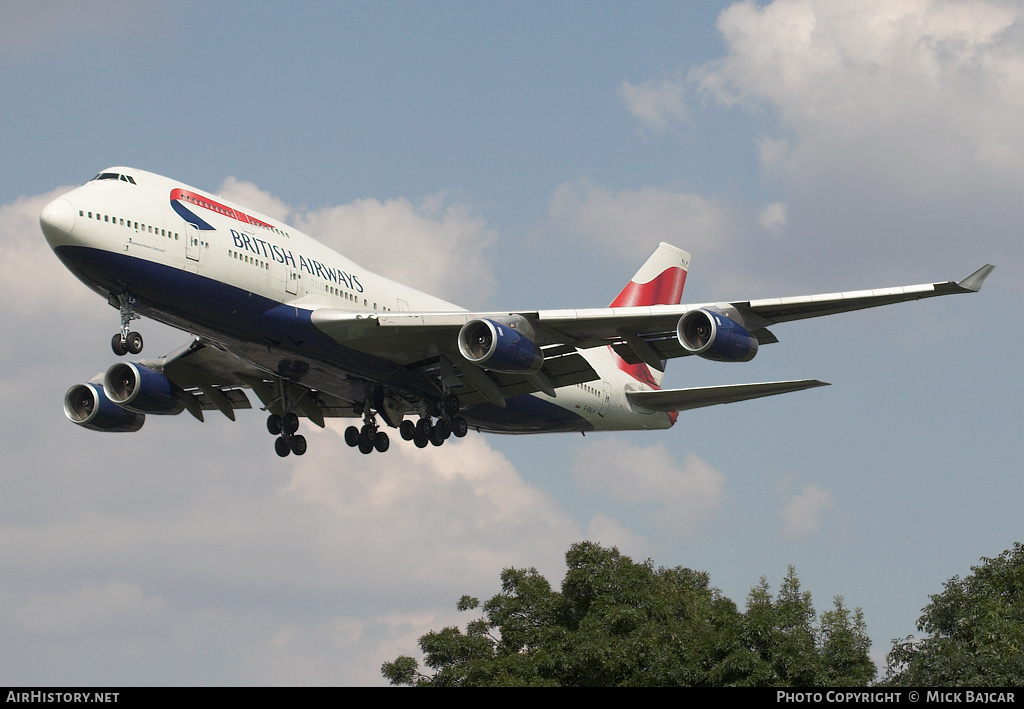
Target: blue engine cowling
[87, 405]
[711, 335]
[499, 347]
[138, 388]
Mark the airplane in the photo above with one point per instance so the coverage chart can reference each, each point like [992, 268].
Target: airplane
[314, 335]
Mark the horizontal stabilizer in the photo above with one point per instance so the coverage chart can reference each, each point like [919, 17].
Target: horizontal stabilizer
[695, 398]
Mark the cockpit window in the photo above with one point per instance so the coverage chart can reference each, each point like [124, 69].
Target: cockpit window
[114, 176]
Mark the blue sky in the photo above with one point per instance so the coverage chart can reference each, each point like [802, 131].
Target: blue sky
[518, 155]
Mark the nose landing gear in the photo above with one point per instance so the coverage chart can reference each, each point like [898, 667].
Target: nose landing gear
[125, 342]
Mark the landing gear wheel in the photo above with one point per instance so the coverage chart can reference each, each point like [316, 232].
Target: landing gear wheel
[365, 448]
[444, 431]
[274, 424]
[420, 441]
[134, 342]
[281, 446]
[459, 427]
[352, 436]
[118, 345]
[423, 428]
[436, 407]
[407, 429]
[451, 405]
[381, 442]
[290, 423]
[437, 435]
[297, 444]
[367, 434]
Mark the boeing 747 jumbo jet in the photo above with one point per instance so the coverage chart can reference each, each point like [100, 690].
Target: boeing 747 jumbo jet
[314, 335]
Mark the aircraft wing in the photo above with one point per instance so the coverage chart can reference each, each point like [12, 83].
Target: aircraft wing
[638, 334]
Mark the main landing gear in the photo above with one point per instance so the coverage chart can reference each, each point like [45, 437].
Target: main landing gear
[286, 426]
[423, 432]
[125, 342]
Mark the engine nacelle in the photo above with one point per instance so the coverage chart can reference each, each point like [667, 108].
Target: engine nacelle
[714, 336]
[499, 347]
[87, 405]
[138, 388]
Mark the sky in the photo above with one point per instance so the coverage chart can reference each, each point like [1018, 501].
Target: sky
[511, 156]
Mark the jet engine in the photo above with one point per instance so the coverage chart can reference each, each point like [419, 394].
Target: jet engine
[87, 405]
[713, 336]
[138, 388]
[499, 347]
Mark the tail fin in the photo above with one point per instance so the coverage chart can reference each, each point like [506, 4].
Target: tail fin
[659, 281]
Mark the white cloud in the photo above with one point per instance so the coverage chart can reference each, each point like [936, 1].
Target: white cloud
[773, 217]
[913, 92]
[32, 279]
[803, 515]
[658, 103]
[248, 194]
[682, 497]
[632, 222]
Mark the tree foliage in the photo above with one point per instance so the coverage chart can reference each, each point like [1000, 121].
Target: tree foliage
[976, 628]
[620, 623]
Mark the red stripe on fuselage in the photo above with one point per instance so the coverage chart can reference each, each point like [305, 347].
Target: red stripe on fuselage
[200, 201]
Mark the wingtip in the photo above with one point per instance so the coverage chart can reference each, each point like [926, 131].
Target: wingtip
[976, 280]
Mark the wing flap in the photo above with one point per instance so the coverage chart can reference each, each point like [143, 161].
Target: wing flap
[697, 397]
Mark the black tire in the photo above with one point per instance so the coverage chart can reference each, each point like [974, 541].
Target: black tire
[443, 429]
[407, 429]
[368, 433]
[134, 343]
[437, 407]
[281, 447]
[381, 442]
[352, 436]
[290, 423]
[274, 424]
[297, 444]
[459, 427]
[420, 441]
[365, 448]
[436, 436]
[452, 405]
[423, 428]
[119, 347]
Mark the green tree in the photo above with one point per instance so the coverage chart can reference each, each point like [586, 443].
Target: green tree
[621, 623]
[976, 628]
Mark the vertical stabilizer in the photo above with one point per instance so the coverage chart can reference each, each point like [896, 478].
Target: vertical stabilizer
[659, 281]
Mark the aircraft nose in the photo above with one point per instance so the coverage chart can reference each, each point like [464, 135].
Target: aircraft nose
[56, 220]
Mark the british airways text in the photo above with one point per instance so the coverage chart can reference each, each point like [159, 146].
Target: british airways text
[311, 266]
